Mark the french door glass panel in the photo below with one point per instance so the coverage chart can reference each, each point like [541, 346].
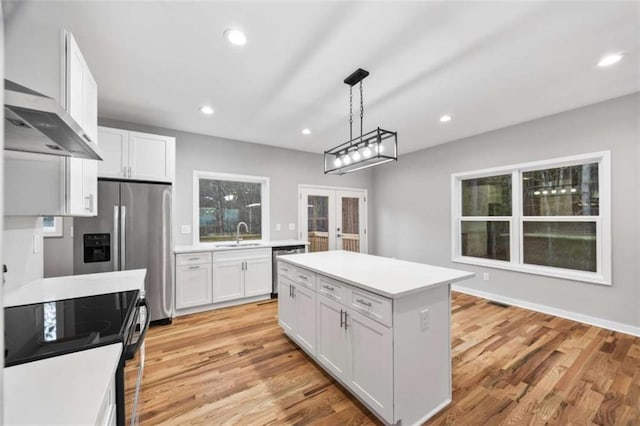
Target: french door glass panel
[333, 219]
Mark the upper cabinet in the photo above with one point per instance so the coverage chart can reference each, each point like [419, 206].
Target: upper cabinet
[136, 156]
[53, 52]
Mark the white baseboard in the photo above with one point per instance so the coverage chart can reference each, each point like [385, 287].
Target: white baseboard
[586, 319]
[214, 306]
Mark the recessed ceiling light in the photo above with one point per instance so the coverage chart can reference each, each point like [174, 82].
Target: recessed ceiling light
[610, 59]
[235, 37]
[206, 109]
[445, 118]
[306, 131]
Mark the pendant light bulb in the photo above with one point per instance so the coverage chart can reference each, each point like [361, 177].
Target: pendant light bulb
[337, 162]
[346, 160]
[356, 155]
[366, 153]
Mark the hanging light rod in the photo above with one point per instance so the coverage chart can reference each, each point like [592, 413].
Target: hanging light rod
[370, 149]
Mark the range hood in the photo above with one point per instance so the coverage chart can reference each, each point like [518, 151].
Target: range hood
[37, 123]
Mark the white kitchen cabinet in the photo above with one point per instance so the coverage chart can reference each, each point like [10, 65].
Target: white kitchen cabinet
[370, 364]
[286, 306]
[77, 178]
[228, 279]
[193, 280]
[136, 155]
[332, 341]
[304, 330]
[241, 273]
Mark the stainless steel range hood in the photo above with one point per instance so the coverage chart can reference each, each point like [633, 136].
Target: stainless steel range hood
[38, 123]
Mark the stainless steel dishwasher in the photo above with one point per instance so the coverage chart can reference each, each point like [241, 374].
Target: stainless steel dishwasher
[279, 251]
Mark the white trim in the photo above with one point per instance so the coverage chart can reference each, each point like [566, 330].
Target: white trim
[574, 316]
[433, 412]
[265, 192]
[220, 305]
[516, 262]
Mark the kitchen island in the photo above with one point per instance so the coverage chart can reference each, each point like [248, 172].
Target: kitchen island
[380, 326]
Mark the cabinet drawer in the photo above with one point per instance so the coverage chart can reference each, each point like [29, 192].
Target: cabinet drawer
[286, 270]
[193, 258]
[332, 289]
[242, 254]
[373, 306]
[305, 278]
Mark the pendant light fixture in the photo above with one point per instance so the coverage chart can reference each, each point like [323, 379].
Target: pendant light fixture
[378, 146]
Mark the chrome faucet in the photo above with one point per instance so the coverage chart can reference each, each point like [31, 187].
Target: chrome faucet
[246, 228]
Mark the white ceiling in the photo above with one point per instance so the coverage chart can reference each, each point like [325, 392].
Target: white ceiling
[487, 64]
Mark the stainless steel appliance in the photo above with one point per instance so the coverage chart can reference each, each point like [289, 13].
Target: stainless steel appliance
[279, 251]
[132, 231]
[43, 330]
[37, 123]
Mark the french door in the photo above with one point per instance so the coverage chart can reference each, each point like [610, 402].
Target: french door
[333, 218]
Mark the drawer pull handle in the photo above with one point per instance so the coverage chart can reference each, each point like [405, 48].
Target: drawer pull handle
[362, 302]
[194, 267]
[302, 277]
[328, 287]
[194, 258]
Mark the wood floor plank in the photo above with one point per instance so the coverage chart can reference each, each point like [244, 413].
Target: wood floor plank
[511, 366]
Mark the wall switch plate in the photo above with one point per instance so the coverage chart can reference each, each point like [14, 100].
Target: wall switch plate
[292, 227]
[485, 276]
[185, 229]
[278, 227]
[424, 319]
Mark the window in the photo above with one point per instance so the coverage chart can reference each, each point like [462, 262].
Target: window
[222, 201]
[549, 217]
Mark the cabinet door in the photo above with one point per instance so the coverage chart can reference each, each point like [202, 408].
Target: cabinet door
[304, 330]
[90, 106]
[75, 80]
[228, 278]
[371, 363]
[193, 286]
[257, 276]
[151, 157]
[114, 146]
[332, 340]
[286, 306]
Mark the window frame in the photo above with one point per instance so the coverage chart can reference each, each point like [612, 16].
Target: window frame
[264, 201]
[517, 219]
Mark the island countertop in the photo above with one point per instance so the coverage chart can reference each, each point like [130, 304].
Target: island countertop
[387, 277]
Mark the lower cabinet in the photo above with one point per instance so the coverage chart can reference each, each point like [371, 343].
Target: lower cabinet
[332, 336]
[207, 278]
[298, 305]
[193, 280]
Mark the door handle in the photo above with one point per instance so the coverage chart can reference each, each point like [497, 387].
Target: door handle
[116, 238]
[123, 237]
[341, 312]
[345, 320]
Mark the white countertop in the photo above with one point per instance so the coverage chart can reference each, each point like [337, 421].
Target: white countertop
[67, 389]
[387, 277]
[219, 247]
[59, 288]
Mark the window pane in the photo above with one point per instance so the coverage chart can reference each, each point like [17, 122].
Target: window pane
[350, 224]
[570, 245]
[487, 196]
[487, 239]
[563, 191]
[223, 204]
[318, 222]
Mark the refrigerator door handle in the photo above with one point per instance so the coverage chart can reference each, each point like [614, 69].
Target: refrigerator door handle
[123, 237]
[166, 244]
[116, 238]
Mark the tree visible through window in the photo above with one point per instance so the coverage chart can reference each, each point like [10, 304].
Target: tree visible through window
[223, 204]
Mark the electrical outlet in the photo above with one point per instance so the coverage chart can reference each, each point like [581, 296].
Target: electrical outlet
[485, 276]
[424, 319]
[185, 229]
[292, 227]
[278, 227]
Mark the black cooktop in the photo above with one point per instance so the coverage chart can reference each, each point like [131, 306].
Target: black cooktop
[43, 330]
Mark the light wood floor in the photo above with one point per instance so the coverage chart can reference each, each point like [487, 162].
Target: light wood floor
[510, 366]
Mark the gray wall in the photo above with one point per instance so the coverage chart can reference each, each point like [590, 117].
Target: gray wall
[58, 252]
[286, 169]
[413, 204]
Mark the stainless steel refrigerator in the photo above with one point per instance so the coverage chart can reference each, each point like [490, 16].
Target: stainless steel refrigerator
[132, 231]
